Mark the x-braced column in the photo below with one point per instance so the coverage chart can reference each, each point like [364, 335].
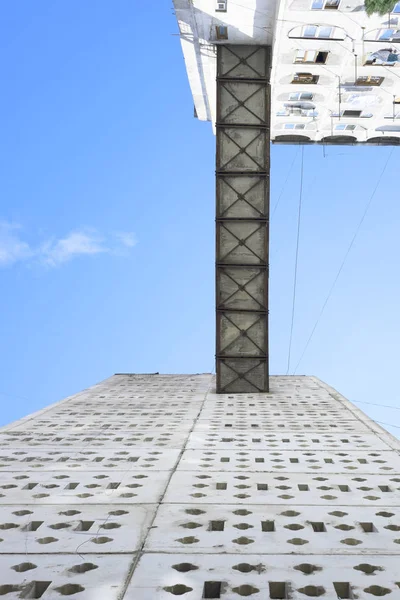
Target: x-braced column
[242, 217]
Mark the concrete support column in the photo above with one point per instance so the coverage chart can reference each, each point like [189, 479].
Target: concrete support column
[242, 217]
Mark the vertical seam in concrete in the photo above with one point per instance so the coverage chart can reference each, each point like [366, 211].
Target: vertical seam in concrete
[140, 551]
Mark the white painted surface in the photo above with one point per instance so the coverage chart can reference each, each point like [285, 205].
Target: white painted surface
[103, 579]
[155, 572]
[279, 24]
[141, 473]
[248, 22]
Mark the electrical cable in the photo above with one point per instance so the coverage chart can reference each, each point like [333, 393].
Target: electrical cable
[387, 424]
[344, 259]
[297, 257]
[284, 185]
[14, 396]
[374, 404]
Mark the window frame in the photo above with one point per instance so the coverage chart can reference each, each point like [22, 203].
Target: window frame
[379, 36]
[352, 114]
[294, 126]
[324, 3]
[370, 80]
[318, 29]
[345, 127]
[300, 99]
[224, 2]
[315, 78]
[219, 34]
[306, 61]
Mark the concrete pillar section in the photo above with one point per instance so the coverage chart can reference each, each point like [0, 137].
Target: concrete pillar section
[242, 217]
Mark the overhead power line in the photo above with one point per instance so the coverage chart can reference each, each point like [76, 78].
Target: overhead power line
[367, 207]
[14, 396]
[387, 424]
[375, 404]
[297, 257]
[284, 184]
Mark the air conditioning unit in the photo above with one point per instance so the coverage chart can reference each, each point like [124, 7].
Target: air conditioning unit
[221, 6]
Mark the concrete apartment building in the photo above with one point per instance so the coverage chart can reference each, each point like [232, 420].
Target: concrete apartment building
[335, 71]
[296, 72]
[151, 487]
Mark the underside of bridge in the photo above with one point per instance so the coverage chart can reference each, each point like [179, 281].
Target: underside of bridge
[242, 217]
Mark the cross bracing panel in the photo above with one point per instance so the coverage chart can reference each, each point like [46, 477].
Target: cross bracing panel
[242, 218]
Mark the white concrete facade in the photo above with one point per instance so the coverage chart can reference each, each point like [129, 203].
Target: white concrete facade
[335, 71]
[150, 487]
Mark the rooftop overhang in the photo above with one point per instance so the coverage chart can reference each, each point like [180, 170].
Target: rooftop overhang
[250, 22]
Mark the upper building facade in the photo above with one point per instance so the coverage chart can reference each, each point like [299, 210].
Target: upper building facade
[335, 71]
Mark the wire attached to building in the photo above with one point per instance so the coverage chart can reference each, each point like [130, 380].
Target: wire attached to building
[367, 207]
[297, 257]
[375, 404]
[284, 184]
[387, 424]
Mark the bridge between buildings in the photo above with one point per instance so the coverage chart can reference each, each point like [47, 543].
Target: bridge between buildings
[242, 217]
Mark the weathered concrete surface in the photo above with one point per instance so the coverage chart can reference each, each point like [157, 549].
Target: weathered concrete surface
[152, 487]
[242, 218]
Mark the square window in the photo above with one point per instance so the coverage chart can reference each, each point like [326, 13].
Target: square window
[216, 526]
[310, 31]
[343, 590]
[354, 114]
[325, 32]
[300, 56]
[278, 590]
[221, 6]
[307, 78]
[303, 487]
[332, 4]
[318, 527]
[368, 527]
[212, 589]
[385, 34]
[384, 488]
[221, 32]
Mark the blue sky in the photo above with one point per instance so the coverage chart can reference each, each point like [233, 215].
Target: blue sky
[107, 220]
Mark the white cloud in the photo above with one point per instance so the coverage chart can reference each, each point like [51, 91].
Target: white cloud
[55, 252]
[126, 238]
[12, 247]
[77, 243]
